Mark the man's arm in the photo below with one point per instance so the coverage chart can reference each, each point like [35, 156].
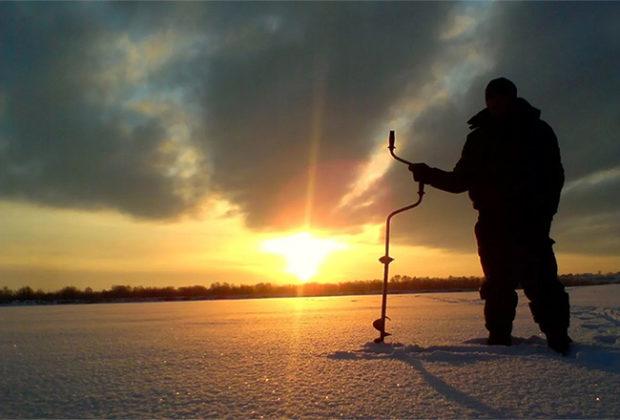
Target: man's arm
[456, 181]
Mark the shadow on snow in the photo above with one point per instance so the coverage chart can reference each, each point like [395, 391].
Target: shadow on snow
[475, 350]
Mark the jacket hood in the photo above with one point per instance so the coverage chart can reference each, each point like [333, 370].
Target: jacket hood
[523, 111]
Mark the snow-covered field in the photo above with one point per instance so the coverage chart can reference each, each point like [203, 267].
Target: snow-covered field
[305, 357]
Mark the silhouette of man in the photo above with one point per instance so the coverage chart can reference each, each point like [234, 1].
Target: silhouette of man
[511, 167]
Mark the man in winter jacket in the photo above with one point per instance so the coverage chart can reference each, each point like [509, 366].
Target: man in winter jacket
[511, 168]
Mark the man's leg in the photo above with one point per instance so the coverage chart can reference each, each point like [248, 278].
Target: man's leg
[549, 301]
[499, 311]
[498, 288]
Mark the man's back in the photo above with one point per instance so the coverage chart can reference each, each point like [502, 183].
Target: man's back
[512, 166]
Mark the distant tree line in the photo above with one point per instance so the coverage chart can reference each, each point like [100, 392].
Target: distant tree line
[398, 284]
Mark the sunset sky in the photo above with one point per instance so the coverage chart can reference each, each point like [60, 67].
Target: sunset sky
[187, 143]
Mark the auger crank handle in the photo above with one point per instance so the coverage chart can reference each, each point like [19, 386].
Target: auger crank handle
[391, 146]
[391, 140]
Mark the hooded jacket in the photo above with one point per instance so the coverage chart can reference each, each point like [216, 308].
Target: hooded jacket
[509, 168]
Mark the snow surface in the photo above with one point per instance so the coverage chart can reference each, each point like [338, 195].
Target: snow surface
[305, 357]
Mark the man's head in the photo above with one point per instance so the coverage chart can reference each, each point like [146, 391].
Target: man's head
[500, 95]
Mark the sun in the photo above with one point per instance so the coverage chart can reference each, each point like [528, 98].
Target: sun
[303, 252]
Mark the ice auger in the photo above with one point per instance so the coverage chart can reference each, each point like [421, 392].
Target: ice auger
[379, 324]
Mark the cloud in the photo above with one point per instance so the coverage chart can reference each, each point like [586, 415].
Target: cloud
[267, 97]
[70, 134]
[282, 109]
[298, 102]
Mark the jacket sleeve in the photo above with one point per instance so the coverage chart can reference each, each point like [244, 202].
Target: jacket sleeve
[456, 181]
[553, 170]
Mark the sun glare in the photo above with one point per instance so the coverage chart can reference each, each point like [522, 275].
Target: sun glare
[303, 252]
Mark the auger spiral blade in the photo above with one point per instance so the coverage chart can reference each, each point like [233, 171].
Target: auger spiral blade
[379, 325]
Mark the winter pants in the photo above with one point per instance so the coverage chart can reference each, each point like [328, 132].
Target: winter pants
[513, 252]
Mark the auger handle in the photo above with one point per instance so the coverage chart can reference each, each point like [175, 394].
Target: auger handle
[391, 146]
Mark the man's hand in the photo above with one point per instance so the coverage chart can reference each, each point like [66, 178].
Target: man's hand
[421, 172]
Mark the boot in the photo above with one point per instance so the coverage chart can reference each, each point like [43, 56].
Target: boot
[559, 341]
[499, 339]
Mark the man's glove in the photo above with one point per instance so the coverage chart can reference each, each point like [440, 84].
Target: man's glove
[421, 172]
